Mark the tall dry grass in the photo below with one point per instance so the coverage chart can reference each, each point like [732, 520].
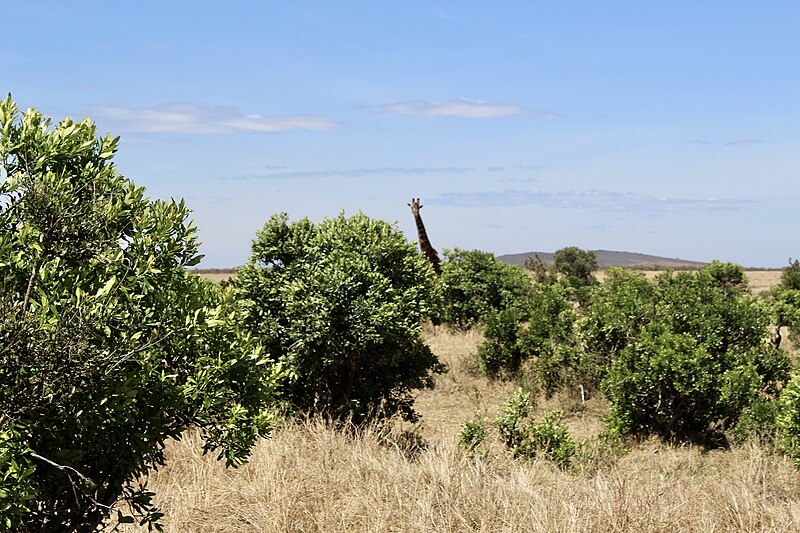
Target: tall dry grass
[310, 477]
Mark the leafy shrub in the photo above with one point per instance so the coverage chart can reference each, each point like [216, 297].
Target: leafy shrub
[725, 275]
[788, 419]
[790, 277]
[512, 422]
[340, 303]
[620, 308]
[476, 284]
[108, 346]
[542, 272]
[500, 351]
[758, 422]
[576, 265]
[693, 360]
[552, 440]
[549, 338]
[17, 491]
[783, 301]
[664, 382]
[473, 434]
[525, 437]
[542, 338]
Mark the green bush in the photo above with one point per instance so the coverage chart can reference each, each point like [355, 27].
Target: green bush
[340, 303]
[501, 351]
[552, 440]
[790, 277]
[548, 340]
[692, 360]
[666, 383]
[542, 272]
[784, 301]
[17, 490]
[539, 342]
[476, 284]
[725, 275]
[526, 438]
[512, 423]
[758, 422]
[788, 419]
[473, 434]
[620, 308]
[576, 265]
[108, 346]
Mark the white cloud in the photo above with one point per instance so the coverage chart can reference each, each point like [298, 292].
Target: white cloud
[281, 173]
[459, 107]
[743, 142]
[607, 201]
[188, 118]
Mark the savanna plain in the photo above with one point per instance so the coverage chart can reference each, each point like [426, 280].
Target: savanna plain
[310, 477]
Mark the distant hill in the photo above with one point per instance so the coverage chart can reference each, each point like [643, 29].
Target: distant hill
[607, 258]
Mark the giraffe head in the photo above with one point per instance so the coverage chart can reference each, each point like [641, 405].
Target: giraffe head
[415, 206]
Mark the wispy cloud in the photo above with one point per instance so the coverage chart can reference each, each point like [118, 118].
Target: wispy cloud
[188, 118]
[376, 171]
[743, 142]
[461, 108]
[592, 199]
[735, 142]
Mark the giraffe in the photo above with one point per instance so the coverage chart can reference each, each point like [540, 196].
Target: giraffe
[424, 242]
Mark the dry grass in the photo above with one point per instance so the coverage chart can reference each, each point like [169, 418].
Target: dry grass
[311, 478]
[217, 277]
[308, 477]
[763, 280]
[758, 280]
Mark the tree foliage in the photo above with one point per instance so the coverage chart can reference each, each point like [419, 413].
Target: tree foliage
[475, 284]
[788, 419]
[790, 277]
[576, 265]
[783, 301]
[108, 347]
[682, 357]
[341, 303]
[524, 437]
[694, 357]
[543, 333]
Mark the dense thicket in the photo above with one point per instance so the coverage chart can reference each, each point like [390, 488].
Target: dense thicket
[699, 358]
[475, 284]
[341, 303]
[541, 332]
[108, 347]
[683, 356]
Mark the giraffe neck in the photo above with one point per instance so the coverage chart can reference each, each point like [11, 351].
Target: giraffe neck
[425, 245]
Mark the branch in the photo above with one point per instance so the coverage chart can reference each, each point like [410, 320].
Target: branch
[63, 468]
[34, 273]
[67, 470]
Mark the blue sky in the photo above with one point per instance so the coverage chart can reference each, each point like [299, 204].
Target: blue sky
[670, 128]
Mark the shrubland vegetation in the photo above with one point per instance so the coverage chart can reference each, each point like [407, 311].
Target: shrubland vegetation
[340, 303]
[683, 356]
[109, 346]
[475, 284]
[311, 476]
[111, 351]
